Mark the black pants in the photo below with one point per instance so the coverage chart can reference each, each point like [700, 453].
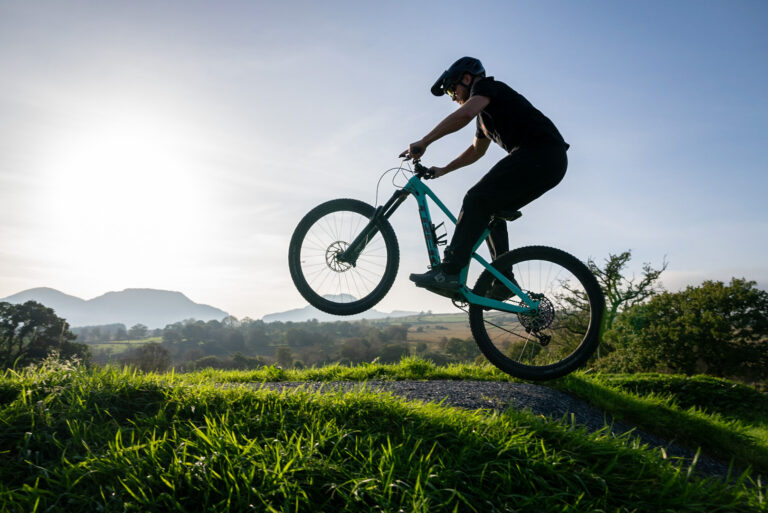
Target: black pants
[516, 180]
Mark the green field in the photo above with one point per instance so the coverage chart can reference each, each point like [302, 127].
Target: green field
[429, 319]
[432, 328]
[76, 439]
[116, 347]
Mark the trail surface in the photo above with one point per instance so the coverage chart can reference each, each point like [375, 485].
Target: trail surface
[499, 396]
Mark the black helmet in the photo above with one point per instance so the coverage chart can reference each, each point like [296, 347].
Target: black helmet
[455, 72]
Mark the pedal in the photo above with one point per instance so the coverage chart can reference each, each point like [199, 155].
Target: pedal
[460, 303]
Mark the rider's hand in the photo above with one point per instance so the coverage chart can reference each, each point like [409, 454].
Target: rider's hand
[437, 172]
[415, 150]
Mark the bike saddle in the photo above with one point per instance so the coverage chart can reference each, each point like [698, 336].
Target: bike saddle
[509, 215]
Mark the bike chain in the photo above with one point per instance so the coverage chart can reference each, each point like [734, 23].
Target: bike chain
[543, 341]
[462, 306]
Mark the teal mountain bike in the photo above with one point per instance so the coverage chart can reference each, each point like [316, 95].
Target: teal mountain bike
[344, 257]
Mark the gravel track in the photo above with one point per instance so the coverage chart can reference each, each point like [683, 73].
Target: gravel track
[498, 396]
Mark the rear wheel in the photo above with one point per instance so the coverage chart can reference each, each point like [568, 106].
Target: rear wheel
[564, 332]
[329, 284]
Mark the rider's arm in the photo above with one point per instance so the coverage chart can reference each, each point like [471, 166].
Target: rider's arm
[469, 156]
[458, 119]
[455, 121]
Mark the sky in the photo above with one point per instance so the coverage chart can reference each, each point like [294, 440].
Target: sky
[176, 144]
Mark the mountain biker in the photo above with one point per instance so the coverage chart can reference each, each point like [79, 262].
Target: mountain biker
[536, 162]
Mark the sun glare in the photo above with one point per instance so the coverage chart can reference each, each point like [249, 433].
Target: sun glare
[121, 187]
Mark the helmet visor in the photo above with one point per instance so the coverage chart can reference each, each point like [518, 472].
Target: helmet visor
[438, 88]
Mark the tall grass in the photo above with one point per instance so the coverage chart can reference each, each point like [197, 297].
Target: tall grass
[723, 419]
[113, 440]
[408, 368]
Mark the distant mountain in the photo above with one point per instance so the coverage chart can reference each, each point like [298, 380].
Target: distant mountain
[151, 307]
[310, 312]
[51, 298]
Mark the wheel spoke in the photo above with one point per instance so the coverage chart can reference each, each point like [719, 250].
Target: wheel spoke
[329, 283]
[553, 339]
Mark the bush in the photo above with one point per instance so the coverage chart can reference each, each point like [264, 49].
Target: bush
[717, 329]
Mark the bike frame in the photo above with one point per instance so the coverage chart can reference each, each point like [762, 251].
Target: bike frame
[421, 192]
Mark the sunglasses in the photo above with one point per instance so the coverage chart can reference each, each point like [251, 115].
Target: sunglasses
[451, 88]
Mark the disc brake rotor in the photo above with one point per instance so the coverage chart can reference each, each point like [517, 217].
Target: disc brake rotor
[332, 256]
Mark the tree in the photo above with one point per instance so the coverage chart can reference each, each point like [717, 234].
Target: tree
[714, 328]
[394, 332]
[392, 352]
[210, 361]
[138, 331]
[234, 341]
[230, 322]
[247, 362]
[462, 349]
[256, 338]
[172, 334]
[355, 350]
[150, 357]
[622, 292]
[194, 331]
[121, 333]
[298, 337]
[284, 356]
[30, 331]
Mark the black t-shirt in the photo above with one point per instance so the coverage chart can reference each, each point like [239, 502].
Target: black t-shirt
[510, 120]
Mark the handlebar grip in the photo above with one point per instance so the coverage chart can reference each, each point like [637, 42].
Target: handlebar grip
[423, 171]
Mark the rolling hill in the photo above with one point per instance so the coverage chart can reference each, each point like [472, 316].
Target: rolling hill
[151, 307]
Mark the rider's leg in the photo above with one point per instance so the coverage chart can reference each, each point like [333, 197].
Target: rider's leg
[516, 180]
[498, 244]
[498, 239]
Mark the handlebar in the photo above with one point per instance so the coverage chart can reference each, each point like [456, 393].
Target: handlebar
[422, 171]
[418, 169]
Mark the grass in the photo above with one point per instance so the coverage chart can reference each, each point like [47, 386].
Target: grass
[722, 419]
[714, 395]
[725, 420]
[408, 368]
[111, 439]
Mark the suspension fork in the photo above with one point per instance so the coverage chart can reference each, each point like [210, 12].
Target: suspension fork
[370, 230]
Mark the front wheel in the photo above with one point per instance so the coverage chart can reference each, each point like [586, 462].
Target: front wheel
[564, 332]
[330, 284]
